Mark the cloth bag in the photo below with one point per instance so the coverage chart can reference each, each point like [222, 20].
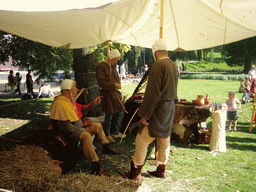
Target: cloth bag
[218, 137]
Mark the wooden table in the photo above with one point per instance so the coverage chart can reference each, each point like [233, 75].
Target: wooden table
[187, 118]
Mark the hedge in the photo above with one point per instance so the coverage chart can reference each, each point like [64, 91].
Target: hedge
[235, 77]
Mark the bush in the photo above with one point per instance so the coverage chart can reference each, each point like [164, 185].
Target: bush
[234, 77]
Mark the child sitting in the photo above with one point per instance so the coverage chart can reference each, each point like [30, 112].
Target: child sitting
[233, 104]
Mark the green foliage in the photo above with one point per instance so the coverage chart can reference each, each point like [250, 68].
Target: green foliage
[211, 56]
[43, 59]
[214, 76]
[241, 53]
[218, 65]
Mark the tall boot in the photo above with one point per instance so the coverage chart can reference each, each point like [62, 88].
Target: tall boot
[160, 171]
[108, 150]
[97, 170]
[135, 172]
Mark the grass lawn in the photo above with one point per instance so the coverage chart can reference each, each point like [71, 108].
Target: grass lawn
[191, 167]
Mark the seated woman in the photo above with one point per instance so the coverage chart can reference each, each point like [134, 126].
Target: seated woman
[66, 121]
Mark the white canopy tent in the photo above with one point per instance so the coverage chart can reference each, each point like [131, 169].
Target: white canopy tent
[187, 24]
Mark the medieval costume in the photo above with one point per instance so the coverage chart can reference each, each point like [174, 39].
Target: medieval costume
[112, 106]
[158, 107]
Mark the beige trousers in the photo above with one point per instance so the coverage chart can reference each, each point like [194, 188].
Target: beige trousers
[86, 140]
[142, 142]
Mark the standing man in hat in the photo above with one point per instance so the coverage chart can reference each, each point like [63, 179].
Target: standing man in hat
[65, 120]
[156, 112]
[110, 84]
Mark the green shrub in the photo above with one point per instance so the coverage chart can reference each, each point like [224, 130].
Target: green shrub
[234, 77]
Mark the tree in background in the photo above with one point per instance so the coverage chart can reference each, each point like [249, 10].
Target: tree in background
[241, 53]
[43, 59]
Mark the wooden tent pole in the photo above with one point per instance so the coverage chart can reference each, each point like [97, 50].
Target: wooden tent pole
[161, 37]
[253, 113]
[107, 47]
[161, 19]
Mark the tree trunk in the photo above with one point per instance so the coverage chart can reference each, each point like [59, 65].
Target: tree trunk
[247, 63]
[84, 67]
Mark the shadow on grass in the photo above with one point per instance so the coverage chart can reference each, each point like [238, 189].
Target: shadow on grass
[242, 144]
[245, 127]
[36, 112]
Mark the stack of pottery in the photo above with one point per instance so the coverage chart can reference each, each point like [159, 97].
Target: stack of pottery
[201, 100]
[207, 99]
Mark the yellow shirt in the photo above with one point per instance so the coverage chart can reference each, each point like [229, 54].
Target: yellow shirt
[63, 110]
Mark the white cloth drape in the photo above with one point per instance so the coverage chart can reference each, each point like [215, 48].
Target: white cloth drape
[218, 137]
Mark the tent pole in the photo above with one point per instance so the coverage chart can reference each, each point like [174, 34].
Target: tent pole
[107, 47]
[161, 19]
[161, 37]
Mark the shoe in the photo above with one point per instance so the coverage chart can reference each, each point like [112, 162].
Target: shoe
[108, 150]
[135, 172]
[97, 170]
[120, 135]
[110, 139]
[160, 171]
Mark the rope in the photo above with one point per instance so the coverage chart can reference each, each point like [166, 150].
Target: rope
[86, 73]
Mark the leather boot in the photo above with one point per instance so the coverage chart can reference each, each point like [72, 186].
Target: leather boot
[108, 150]
[135, 172]
[97, 170]
[160, 171]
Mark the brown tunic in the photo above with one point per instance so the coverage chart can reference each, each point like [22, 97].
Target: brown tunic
[106, 79]
[158, 103]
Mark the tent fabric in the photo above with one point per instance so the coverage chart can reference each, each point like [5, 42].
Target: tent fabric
[187, 24]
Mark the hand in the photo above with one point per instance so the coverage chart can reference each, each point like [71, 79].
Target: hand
[144, 121]
[97, 100]
[117, 86]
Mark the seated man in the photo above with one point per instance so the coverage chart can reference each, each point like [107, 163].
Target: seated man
[65, 121]
[45, 91]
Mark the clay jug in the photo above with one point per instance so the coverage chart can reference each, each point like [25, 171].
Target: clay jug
[207, 99]
[200, 100]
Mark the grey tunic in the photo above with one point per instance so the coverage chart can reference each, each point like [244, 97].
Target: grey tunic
[158, 103]
[70, 130]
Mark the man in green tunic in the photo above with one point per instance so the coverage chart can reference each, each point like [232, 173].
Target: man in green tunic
[156, 112]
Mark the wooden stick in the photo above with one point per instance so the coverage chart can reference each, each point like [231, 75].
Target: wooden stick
[128, 124]
[121, 104]
[253, 113]
[10, 140]
[80, 92]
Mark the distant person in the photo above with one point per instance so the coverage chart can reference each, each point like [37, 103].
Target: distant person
[45, 91]
[18, 80]
[117, 69]
[252, 76]
[232, 114]
[29, 82]
[146, 68]
[183, 66]
[11, 82]
[123, 71]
